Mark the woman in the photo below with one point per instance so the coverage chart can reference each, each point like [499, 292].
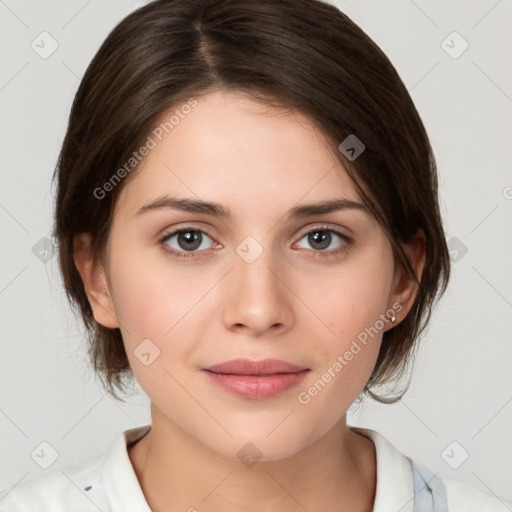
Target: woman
[248, 222]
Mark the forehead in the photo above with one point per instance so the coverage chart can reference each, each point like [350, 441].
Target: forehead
[234, 150]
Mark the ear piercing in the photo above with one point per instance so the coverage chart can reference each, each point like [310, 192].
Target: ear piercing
[393, 316]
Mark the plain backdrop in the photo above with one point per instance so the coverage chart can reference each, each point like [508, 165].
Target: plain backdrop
[457, 415]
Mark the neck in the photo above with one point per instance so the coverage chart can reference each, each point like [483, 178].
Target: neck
[176, 472]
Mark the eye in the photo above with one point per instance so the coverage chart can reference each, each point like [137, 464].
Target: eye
[185, 242]
[326, 241]
[189, 242]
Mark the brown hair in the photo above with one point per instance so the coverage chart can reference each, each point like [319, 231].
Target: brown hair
[302, 55]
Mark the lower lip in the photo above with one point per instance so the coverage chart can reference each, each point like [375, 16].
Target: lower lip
[257, 386]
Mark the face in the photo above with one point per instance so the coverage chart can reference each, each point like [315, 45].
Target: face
[314, 290]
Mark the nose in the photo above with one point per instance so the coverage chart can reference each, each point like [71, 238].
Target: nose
[258, 298]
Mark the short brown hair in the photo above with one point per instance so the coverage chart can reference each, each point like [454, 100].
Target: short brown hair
[302, 55]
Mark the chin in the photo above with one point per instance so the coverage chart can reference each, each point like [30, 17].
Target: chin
[259, 445]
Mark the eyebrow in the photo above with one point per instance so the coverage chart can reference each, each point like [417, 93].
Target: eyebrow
[217, 210]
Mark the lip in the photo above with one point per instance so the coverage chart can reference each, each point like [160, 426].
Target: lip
[256, 379]
[247, 367]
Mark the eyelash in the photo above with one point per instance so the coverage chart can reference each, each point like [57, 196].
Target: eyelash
[348, 242]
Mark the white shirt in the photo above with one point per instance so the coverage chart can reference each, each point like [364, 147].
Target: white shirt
[107, 483]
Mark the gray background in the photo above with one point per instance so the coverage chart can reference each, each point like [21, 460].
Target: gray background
[459, 403]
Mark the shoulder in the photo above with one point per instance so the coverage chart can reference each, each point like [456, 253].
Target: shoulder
[449, 494]
[467, 498]
[77, 486]
[406, 484]
[88, 486]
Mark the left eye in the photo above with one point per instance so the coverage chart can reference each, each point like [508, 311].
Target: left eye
[322, 239]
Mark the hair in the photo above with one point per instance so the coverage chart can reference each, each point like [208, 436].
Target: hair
[301, 55]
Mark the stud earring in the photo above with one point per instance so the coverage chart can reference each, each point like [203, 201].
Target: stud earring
[393, 317]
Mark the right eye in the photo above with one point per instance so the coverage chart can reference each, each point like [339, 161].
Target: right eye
[185, 242]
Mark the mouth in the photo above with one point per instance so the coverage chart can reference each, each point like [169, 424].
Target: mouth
[256, 379]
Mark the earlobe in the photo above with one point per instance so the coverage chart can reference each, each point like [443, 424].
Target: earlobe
[95, 282]
[406, 286]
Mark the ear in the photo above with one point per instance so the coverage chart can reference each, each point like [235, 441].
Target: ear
[405, 287]
[95, 282]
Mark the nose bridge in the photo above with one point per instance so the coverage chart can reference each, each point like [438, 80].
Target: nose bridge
[256, 297]
[255, 267]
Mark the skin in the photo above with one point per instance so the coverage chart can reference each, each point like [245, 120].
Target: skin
[290, 303]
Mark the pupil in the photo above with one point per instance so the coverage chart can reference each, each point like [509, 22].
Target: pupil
[191, 240]
[323, 238]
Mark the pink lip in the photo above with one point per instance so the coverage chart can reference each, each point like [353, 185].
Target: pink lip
[248, 367]
[256, 379]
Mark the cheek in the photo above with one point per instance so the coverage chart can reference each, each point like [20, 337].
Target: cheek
[160, 310]
[349, 353]
[351, 297]
[151, 294]
[350, 302]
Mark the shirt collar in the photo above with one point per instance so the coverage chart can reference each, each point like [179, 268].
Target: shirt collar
[394, 490]
[395, 484]
[122, 487]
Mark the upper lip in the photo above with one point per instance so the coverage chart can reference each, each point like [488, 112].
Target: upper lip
[248, 367]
